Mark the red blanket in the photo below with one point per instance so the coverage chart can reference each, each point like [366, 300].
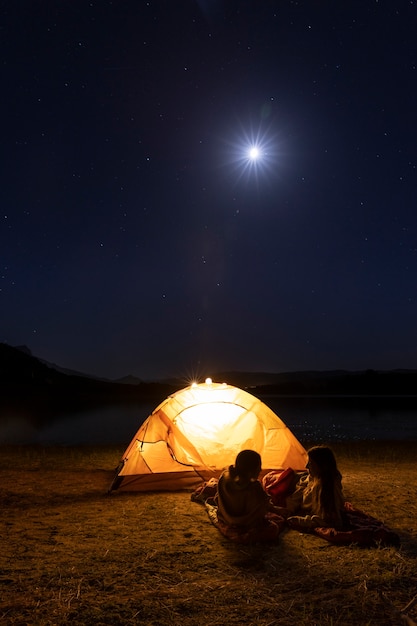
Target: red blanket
[359, 528]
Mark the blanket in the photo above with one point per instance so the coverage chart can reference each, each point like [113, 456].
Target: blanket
[358, 528]
[268, 531]
[278, 484]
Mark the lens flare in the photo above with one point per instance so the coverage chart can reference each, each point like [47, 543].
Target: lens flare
[254, 153]
[251, 155]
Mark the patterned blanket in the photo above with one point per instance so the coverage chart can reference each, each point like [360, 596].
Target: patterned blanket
[359, 528]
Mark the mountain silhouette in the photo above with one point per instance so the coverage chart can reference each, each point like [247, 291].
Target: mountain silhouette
[36, 387]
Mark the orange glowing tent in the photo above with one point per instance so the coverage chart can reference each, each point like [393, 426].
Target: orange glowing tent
[197, 432]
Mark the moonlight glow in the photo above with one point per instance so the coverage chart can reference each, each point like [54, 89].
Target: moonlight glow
[253, 155]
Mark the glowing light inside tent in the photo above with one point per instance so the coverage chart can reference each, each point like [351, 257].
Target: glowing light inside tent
[208, 419]
[208, 412]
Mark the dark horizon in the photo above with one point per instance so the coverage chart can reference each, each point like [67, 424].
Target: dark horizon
[19, 366]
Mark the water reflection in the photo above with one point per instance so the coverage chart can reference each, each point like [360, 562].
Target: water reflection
[347, 419]
[309, 419]
[108, 425]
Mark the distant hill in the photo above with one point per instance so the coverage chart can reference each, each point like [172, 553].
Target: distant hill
[326, 383]
[30, 386]
[129, 380]
[34, 386]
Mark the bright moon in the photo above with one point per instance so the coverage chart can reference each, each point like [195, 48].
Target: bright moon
[253, 155]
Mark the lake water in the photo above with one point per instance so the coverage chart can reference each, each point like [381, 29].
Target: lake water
[310, 419]
[348, 419]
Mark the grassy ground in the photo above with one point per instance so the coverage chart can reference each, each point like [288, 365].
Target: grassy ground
[71, 553]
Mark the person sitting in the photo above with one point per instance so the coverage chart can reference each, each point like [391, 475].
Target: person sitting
[240, 498]
[314, 502]
[318, 499]
[242, 510]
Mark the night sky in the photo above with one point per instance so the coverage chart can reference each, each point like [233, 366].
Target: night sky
[137, 236]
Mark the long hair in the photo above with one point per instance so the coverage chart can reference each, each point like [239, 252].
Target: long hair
[328, 481]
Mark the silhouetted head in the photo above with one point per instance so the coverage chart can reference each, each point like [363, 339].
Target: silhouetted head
[248, 464]
[322, 462]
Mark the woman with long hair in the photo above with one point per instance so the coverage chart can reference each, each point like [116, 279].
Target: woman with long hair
[318, 499]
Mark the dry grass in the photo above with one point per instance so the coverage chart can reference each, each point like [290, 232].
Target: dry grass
[71, 553]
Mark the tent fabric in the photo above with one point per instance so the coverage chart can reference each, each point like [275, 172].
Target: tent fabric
[198, 431]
